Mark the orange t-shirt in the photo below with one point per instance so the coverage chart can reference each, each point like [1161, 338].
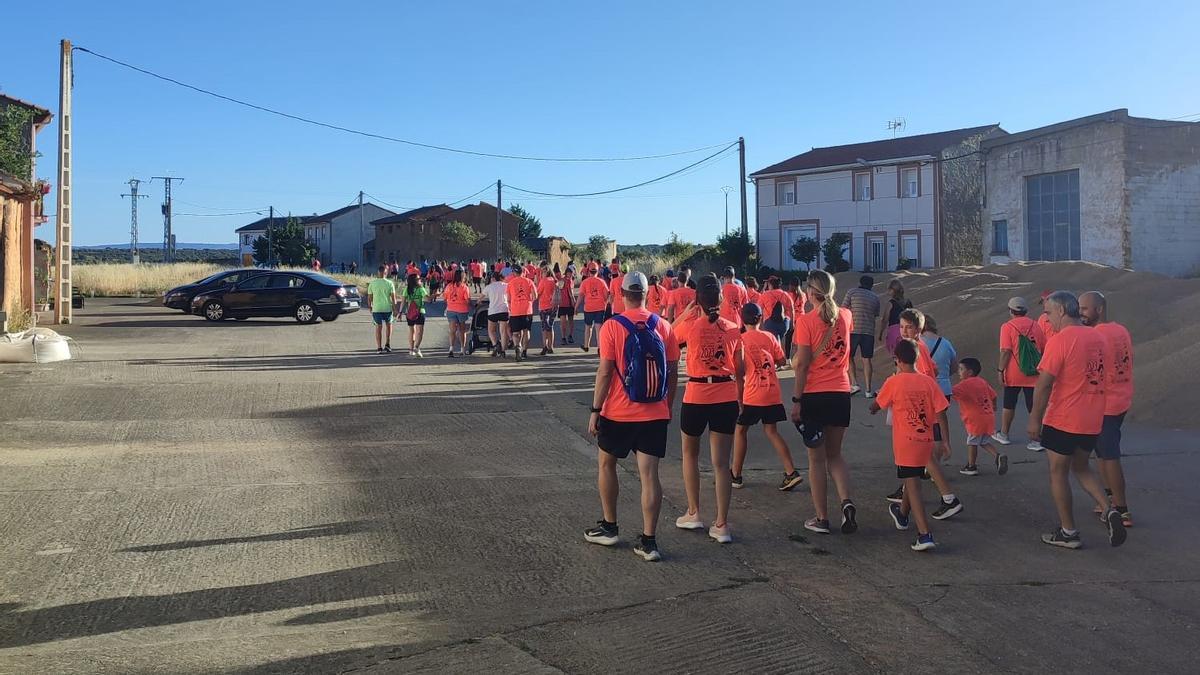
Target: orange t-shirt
[617, 406]
[711, 350]
[753, 295]
[925, 364]
[545, 289]
[776, 296]
[1118, 368]
[798, 300]
[976, 405]
[458, 297]
[915, 400]
[595, 294]
[567, 295]
[657, 298]
[827, 370]
[618, 300]
[1019, 325]
[1075, 357]
[733, 297]
[682, 297]
[520, 296]
[1043, 322]
[476, 270]
[761, 351]
[498, 267]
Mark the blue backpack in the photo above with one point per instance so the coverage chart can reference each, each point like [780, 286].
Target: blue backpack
[645, 373]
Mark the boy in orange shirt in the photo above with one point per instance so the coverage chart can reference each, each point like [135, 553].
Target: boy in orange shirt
[977, 407]
[916, 401]
[521, 296]
[762, 398]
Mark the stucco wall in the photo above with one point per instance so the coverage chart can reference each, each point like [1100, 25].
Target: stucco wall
[347, 236]
[1163, 183]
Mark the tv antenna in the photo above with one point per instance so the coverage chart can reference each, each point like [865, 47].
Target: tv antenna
[896, 125]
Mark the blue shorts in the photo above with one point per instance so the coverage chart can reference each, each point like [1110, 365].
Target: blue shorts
[460, 317]
[592, 318]
[381, 318]
[1108, 445]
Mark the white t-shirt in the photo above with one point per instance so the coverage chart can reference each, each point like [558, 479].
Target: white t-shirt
[497, 295]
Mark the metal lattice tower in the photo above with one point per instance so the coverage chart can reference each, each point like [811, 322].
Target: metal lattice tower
[134, 254]
[168, 245]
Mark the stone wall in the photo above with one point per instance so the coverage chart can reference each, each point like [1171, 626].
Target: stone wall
[1162, 169]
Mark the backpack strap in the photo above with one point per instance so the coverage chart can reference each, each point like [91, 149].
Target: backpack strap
[935, 347]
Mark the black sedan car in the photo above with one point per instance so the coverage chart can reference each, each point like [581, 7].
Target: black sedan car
[303, 295]
[180, 297]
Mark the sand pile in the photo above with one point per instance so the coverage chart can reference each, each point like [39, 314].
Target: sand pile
[1162, 315]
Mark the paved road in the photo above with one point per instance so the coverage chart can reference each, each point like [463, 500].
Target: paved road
[267, 497]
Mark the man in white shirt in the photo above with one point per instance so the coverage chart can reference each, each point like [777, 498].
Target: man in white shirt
[497, 296]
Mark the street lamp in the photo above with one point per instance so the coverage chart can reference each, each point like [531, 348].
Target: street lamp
[727, 189]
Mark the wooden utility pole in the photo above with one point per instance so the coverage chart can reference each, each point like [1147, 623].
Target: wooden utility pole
[62, 230]
[360, 231]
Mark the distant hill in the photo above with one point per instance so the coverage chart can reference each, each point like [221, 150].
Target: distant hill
[158, 245]
[153, 254]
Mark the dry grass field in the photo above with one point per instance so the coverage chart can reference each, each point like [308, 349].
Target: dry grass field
[127, 280]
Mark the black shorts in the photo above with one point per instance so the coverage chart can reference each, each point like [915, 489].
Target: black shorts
[566, 311]
[937, 431]
[516, 323]
[767, 414]
[618, 438]
[1011, 394]
[825, 409]
[477, 280]
[1108, 445]
[720, 418]
[1065, 443]
[419, 321]
[903, 472]
[592, 318]
[502, 317]
[863, 344]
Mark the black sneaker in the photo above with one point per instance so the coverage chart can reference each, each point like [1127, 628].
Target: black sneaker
[387, 349]
[1062, 539]
[545, 351]
[947, 510]
[790, 480]
[604, 533]
[969, 470]
[647, 549]
[379, 350]
[524, 353]
[817, 525]
[897, 497]
[450, 354]
[571, 339]
[564, 342]
[735, 481]
[1116, 528]
[849, 524]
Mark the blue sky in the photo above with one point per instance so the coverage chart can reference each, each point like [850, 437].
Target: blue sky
[552, 79]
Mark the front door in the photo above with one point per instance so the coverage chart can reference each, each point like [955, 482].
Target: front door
[247, 296]
[910, 249]
[877, 252]
[791, 234]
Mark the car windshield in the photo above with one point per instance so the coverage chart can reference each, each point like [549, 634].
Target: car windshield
[328, 281]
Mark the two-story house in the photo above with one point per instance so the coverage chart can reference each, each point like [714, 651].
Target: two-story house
[417, 234]
[913, 201]
[339, 235]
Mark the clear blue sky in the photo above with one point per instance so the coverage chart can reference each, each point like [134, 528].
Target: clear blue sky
[553, 78]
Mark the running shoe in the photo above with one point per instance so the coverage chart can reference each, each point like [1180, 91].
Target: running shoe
[1002, 464]
[689, 521]
[855, 389]
[849, 522]
[720, 534]
[450, 354]
[584, 347]
[869, 394]
[1001, 438]
[604, 534]
[564, 342]
[571, 339]
[1126, 518]
[948, 510]
[897, 497]
[420, 354]
[1062, 539]
[924, 542]
[817, 525]
[969, 470]
[647, 549]
[735, 481]
[545, 351]
[387, 349]
[379, 350]
[1035, 446]
[790, 480]
[898, 517]
[1116, 529]
[524, 353]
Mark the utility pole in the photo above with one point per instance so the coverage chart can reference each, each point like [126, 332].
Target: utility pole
[63, 234]
[499, 225]
[168, 236]
[726, 190]
[360, 230]
[133, 228]
[742, 183]
[271, 238]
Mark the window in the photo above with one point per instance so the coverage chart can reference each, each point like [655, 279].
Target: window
[785, 193]
[910, 185]
[999, 237]
[862, 186]
[1052, 210]
[255, 282]
[286, 281]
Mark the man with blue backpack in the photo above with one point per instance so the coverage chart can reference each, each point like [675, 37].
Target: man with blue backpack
[631, 408]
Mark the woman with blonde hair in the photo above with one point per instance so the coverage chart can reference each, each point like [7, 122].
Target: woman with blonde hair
[821, 398]
[890, 333]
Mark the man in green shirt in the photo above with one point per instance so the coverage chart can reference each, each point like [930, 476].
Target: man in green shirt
[381, 296]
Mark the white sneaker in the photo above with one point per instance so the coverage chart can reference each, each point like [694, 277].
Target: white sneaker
[869, 394]
[720, 534]
[689, 521]
[855, 389]
[1001, 438]
[1035, 446]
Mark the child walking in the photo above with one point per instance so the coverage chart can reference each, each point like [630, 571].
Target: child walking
[762, 400]
[977, 407]
[917, 403]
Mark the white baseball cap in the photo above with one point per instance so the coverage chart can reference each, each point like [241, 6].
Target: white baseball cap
[635, 281]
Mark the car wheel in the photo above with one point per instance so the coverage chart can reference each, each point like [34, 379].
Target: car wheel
[306, 312]
[214, 311]
[330, 317]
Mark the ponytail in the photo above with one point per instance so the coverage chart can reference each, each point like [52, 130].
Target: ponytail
[708, 296]
[821, 286]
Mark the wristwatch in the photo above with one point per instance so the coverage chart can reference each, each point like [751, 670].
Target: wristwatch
[595, 410]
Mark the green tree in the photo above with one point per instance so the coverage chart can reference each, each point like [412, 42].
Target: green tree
[15, 155]
[832, 251]
[805, 250]
[458, 233]
[737, 249]
[529, 225]
[518, 251]
[285, 245]
[676, 249]
[597, 247]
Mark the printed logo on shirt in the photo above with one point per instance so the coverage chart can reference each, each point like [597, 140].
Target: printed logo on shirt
[1095, 371]
[711, 350]
[917, 416]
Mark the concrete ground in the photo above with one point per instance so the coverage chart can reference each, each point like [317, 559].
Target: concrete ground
[267, 497]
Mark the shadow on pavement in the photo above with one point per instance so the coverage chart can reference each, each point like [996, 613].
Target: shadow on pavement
[326, 530]
[343, 614]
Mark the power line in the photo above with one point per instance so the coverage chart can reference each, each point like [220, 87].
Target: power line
[222, 215]
[367, 134]
[627, 187]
